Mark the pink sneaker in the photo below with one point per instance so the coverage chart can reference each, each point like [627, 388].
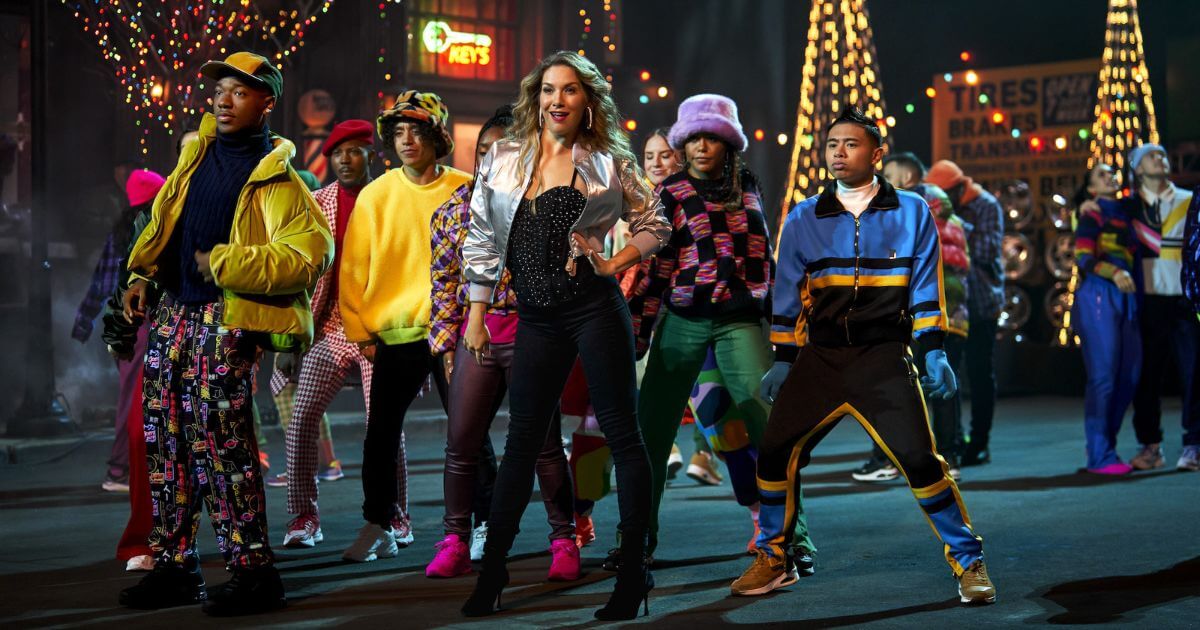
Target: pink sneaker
[452, 560]
[1117, 469]
[564, 567]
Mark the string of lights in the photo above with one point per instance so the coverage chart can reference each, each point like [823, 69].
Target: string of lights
[605, 12]
[156, 51]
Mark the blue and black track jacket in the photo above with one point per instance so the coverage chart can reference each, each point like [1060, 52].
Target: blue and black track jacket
[847, 281]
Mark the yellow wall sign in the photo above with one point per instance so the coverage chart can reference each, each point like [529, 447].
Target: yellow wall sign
[459, 48]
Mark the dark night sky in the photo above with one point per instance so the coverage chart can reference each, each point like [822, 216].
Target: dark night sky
[752, 51]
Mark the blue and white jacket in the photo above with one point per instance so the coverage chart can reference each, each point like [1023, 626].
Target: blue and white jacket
[843, 280]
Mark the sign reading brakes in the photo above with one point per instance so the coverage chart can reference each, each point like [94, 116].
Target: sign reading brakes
[1027, 122]
[459, 48]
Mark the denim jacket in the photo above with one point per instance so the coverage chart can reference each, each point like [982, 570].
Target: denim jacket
[613, 192]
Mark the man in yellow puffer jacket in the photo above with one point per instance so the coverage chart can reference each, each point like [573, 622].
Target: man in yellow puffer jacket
[236, 244]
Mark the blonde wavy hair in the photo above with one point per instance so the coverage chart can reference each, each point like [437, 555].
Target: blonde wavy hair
[605, 133]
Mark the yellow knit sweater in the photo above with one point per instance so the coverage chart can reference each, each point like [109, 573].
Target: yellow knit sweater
[384, 282]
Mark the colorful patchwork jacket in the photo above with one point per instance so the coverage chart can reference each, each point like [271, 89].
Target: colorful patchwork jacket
[450, 287]
[1190, 275]
[717, 262]
[956, 262]
[846, 281]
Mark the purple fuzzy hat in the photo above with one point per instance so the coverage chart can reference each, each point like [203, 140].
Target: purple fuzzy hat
[708, 113]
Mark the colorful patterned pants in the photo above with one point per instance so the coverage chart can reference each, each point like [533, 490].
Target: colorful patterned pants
[877, 386]
[199, 431]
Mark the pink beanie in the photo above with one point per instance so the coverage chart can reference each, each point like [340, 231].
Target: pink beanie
[142, 186]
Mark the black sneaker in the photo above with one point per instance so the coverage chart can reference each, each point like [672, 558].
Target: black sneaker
[250, 591]
[876, 470]
[166, 586]
[975, 457]
[802, 560]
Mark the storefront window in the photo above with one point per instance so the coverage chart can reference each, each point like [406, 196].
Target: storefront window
[463, 39]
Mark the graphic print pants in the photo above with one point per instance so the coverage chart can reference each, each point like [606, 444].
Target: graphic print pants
[199, 432]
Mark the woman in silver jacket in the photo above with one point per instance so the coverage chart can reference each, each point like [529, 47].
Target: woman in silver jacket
[544, 199]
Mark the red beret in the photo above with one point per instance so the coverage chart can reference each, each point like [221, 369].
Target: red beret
[354, 129]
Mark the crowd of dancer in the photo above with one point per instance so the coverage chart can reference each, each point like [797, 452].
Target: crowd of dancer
[568, 273]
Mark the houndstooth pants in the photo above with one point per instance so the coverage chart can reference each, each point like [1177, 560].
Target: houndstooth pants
[323, 371]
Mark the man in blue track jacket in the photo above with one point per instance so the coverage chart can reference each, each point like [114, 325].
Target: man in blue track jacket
[859, 276]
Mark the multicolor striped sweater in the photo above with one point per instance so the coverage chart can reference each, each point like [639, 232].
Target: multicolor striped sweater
[1105, 241]
[717, 263]
[849, 281]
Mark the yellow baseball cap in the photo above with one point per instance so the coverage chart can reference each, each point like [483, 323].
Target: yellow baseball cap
[252, 69]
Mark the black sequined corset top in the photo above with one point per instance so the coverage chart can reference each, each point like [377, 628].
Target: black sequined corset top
[540, 244]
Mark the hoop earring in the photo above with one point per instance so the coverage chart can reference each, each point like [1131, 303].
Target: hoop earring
[541, 118]
[589, 113]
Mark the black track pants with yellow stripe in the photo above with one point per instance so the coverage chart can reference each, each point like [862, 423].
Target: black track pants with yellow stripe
[876, 385]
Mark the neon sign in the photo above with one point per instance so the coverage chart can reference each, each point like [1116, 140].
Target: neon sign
[459, 48]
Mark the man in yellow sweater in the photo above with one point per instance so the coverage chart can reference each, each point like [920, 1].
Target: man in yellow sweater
[384, 287]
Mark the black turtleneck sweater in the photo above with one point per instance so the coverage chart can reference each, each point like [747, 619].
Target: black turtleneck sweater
[211, 202]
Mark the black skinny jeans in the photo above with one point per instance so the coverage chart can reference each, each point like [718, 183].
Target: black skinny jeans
[400, 373]
[597, 328]
[981, 371]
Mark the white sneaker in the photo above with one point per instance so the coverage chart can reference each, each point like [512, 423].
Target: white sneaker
[115, 485]
[304, 532]
[674, 462]
[402, 531]
[1189, 459]
[140, 563]
[373, 542]
[478, 538]
[876, 470]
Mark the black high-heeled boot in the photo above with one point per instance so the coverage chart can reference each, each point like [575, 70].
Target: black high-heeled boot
[631, 592]
[485, 599]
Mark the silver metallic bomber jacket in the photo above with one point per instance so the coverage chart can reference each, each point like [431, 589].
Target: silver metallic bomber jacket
[501, 183]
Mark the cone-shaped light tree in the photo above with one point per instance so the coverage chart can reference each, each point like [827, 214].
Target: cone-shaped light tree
[1124, 104]
[840, 70]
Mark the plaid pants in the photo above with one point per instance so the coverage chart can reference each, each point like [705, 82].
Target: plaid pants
[323, 371]
[199, 434]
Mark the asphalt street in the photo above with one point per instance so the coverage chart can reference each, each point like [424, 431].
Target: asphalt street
[1063, 547]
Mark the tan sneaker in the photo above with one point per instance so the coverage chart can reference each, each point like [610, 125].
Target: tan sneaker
[764, 576]
[1148, 458]
[974, 587]
[704, 470]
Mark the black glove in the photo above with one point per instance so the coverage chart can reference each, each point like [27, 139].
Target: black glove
[120, 335]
